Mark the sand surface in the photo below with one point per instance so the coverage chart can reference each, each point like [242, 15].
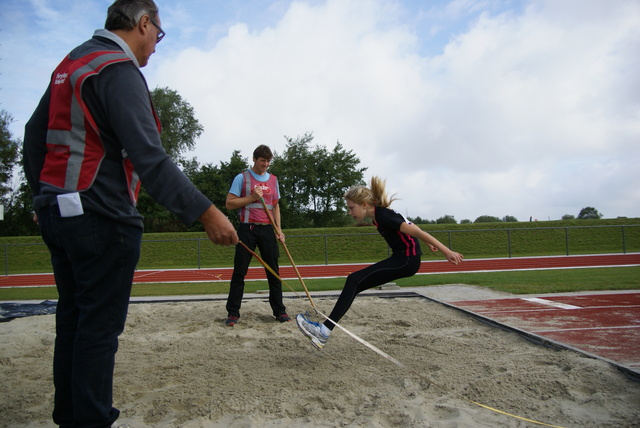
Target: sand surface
[179, 366]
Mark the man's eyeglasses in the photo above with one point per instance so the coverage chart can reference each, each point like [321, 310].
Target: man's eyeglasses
[160, 32]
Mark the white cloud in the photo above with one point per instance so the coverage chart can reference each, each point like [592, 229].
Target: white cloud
[489, 125]
[323, 69]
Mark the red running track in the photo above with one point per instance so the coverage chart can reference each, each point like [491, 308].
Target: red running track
[342, 270]
[604, 325]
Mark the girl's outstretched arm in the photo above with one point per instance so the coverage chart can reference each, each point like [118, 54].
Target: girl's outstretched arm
[416, 232]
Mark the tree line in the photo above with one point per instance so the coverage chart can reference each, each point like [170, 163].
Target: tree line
[312, 178]
[585, 213]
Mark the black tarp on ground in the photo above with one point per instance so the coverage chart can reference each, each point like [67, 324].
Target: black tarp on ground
[9, 311]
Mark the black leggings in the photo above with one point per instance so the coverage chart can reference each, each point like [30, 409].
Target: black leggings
[390, 269]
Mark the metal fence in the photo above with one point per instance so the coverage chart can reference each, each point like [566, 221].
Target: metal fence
[363, 247]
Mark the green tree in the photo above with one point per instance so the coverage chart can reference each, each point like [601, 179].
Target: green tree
[293, 169]
[18, 216]
[9, 153]
[229, 170]
[313, 182]
[589, 213]
[156, 218]
[335, 172]
[509, 219]
[214, 181]
[419, 220]
[15, 195]
[446, 219]
[180, 128]
[487, 219]
[568, 217]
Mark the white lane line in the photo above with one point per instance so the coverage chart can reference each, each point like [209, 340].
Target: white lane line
[619, 327]
[550, 303]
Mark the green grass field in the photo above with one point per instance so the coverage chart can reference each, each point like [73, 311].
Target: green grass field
[364, 245]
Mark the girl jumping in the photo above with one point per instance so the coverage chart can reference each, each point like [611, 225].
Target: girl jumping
[403, 238]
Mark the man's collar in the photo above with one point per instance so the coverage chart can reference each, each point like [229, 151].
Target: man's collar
[256, 175]
[114, 37]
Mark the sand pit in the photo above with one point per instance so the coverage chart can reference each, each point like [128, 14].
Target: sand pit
[179, 366]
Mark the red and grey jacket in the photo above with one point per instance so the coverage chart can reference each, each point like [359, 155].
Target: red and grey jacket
[74, 147]
[104, 108]
[254, 212]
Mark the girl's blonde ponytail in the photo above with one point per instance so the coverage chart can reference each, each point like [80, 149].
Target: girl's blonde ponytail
[376, 195]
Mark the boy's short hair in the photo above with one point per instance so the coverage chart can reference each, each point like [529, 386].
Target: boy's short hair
[262, 151]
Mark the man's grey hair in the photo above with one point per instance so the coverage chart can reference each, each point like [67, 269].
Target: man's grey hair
[126, 14]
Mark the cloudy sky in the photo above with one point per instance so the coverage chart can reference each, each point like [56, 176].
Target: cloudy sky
[528, 108]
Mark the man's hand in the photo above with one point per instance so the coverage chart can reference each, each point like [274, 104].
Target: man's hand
[218, 227]
[257, 193]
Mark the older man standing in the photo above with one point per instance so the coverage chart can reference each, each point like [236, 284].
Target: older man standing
[92, 140]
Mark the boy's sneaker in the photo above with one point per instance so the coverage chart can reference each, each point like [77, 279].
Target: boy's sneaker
[312, 331]
[231, 320]
[283, 318]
